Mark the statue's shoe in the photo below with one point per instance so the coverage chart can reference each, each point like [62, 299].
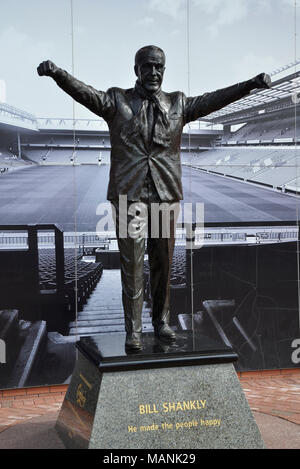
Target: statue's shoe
[133, 341]
[165, 332]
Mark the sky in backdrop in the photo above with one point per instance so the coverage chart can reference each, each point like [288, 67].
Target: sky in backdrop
[209, 44]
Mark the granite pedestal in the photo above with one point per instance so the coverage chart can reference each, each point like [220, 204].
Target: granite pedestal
[181, 396]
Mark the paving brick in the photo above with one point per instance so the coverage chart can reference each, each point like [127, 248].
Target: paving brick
[13, 392]
[55, 394]
[23, 404]
[40, 400]
[290, 372]
[61, 388]
[38, 390]
[6, 403]
[26, 396]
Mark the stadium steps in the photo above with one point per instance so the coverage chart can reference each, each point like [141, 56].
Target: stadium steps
[206, 322]
[8, 323]
[24, 342]
[103, 311]
[35, 340]
[28, 160]
[9, 328]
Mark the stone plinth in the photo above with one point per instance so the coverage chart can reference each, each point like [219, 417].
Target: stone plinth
[184, 396]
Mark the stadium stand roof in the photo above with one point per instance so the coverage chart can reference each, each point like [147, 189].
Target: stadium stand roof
[12, 116]
[279, 97]
[99, 125]
[50, 123]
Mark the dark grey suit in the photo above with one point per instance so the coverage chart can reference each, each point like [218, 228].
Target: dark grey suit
[145, 165]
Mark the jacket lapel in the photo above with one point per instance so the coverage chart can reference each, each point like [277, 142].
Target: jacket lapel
[135, 132]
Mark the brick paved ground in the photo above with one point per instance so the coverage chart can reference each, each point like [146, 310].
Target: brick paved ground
[19, 405]
[275, 393]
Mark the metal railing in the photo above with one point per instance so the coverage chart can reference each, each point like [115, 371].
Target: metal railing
[32, 244]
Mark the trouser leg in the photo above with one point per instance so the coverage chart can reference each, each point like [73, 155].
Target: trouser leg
[132, 267]
[160, 251]
[132, 270]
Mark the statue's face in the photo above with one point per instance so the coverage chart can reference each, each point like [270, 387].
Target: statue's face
[150, 70]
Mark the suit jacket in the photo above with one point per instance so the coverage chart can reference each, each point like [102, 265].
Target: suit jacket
[131, 155]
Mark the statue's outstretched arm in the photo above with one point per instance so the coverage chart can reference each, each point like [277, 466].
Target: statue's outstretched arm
[100, 102]
[201, 106]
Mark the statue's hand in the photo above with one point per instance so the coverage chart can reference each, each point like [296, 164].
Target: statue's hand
[262, 81]
[47, 68]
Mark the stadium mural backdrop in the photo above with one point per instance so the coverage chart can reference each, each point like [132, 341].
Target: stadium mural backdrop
[59, 259]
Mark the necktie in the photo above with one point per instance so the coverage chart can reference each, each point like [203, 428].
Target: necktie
[150, 121]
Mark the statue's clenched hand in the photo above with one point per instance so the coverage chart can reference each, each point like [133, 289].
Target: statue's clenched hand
[262, 81]
[47, 68]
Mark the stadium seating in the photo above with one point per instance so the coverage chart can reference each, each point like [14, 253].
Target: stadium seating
[66, 156]
[275, 166]
[277, 128]
[84, 274]
[9, 161]
[66, 149]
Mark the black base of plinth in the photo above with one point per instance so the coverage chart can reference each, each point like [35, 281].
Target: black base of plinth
[108, 352]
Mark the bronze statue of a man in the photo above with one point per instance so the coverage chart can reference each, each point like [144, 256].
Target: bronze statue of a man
[145, 126]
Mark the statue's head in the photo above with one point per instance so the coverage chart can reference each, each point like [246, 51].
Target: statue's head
[149, 67]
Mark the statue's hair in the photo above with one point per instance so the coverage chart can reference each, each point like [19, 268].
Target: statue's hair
[145, 49]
